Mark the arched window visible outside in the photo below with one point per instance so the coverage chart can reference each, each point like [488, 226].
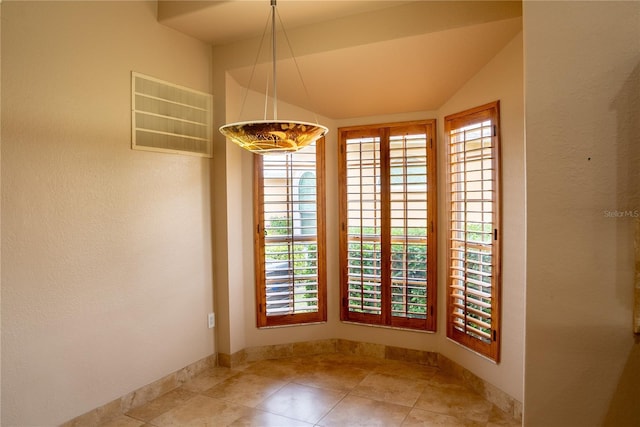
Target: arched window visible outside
[307, 203]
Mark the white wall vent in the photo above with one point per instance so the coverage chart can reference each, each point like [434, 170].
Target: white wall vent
[169, 118]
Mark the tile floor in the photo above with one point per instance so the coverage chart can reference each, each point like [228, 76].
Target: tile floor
[323, 390]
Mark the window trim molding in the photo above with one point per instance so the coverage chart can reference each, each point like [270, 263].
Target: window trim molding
[320, 316]
[490, 350]
[385, 319]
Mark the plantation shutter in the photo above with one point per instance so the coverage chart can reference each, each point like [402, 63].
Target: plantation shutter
[473, 217]
[364, 225]
[387, 220]
[411, 221]
[290, 237]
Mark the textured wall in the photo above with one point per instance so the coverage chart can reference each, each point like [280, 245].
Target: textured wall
[582, 108]
[636, 293]
[501, 79]
[106, 252]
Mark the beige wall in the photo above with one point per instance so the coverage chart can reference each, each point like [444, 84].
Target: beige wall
[500, 79]
[582, 86]
[0, 224]
[106, 252]
[238, 292]
[106, 260]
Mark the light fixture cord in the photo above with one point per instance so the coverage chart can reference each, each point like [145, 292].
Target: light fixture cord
[273, 52]
[272, 18]
[293, 56]
[253, 71]
[266, 97]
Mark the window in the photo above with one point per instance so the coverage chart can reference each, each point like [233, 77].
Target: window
[473, 252]
[290, 237]
[307, 203]
[387, 182]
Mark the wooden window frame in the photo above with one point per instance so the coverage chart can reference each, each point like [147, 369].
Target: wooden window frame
[489, 346]
[385, 318]
[264, 320]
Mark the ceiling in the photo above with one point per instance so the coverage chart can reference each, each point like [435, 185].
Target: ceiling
[357, 58]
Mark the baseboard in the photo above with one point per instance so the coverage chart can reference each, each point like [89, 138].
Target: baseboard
[491, 393]
[280, 351]
[487, 390]
[144, 394]
[151, 391]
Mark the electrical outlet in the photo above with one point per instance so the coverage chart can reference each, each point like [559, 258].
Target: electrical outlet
[212, 320]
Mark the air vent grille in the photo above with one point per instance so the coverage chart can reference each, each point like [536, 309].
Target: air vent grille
[169, 118]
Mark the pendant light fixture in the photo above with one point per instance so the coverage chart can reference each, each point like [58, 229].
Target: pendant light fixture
[273, 136]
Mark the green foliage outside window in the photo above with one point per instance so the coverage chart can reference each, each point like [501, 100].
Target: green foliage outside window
[305, 262]
[478, 273]
[408, 273]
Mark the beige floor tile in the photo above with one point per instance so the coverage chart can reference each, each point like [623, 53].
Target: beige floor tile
[124, 421]
[347, 361]
[331, 389]
[455, 400]
[209, 378]
[407, 370]
[202, 411]
[257, 418]
[160, 405]
[443, 380]
[498, 418]
[245, 389]
[333, 371]
[334, 377]
[392, 389]
[280, 369]
[359, 411]
[302, 402]
[419, 417]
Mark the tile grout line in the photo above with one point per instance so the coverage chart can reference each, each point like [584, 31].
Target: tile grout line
[347, 393]
[177, 379]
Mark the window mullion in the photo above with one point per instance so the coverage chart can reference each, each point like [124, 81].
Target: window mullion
[465, 282]
[385, 232]
[405, 217]
[290, 226]
[259, 249]
[362, 290]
